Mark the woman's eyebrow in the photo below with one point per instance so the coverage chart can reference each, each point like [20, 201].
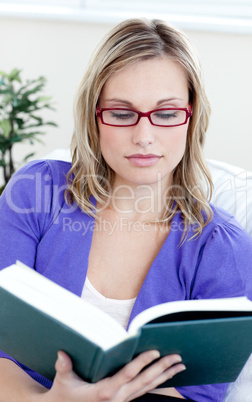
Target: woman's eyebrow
[119, 101]
[168, 100]
[128, 103]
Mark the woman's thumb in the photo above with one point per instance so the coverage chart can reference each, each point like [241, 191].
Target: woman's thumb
[63, 363]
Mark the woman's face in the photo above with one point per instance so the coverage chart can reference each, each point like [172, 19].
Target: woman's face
[144, 154]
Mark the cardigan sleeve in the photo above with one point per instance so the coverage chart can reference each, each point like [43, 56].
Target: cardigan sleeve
[224, 270]
[224, 266]
[28, 207]
[22, 214]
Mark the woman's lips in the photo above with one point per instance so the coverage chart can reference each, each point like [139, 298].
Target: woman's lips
[143, 160]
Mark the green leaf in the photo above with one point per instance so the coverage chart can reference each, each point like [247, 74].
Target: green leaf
[44, 98]
[4, 74]
[5, 91]
[20, 123]
[49, 107]
[33, 90]
[15, 101]
[28, 157]
[51, 123]
[5, 125]
[4, 144]
[25, 86]
[14, 75]
[31, 126]
[2, 162]
[3, 139]
[22, 105]
[42, 79]
[16, 138]
[25, 136]
[39, 119]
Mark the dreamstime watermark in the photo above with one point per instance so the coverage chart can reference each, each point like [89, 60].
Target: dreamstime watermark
[121, 225]
[33, 194]
[36, 193]
[41, 195]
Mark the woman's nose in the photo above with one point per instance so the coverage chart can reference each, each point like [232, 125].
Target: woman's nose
[143, 132]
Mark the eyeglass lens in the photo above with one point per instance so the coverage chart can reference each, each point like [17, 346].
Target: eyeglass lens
[126, 117]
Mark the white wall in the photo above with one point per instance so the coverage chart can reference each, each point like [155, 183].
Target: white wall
[60, 50]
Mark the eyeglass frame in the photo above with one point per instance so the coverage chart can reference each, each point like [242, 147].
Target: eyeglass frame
[143, 114]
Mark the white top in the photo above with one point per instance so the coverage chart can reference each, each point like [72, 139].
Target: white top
[120, 310]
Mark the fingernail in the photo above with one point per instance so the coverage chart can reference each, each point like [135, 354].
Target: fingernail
[155, 354]
[61, 359]
[177, 359]
[183, 367]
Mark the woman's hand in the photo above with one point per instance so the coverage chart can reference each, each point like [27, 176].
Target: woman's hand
[129, 383]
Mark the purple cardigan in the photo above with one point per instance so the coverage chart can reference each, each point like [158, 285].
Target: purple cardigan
[38, 228]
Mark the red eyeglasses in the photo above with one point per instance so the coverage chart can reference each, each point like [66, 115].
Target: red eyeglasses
[119, 117]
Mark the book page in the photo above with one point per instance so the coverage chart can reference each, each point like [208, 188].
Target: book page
[225, 304]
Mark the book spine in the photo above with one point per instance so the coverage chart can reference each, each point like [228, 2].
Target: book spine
[110, 361]
[96, 365]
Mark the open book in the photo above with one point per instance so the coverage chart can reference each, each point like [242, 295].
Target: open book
[38, 318]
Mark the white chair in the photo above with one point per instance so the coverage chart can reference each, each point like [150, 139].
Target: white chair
[233, 191]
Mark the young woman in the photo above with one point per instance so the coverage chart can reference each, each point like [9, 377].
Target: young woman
[128, 224]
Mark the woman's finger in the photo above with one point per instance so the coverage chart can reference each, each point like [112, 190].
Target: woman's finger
[63, 363]
[120, 383]
[64, 372]
[154, 376]
[132, 369]
[133, 379]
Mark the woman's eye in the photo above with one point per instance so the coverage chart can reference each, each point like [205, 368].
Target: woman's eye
[122, 115]
[165, 115]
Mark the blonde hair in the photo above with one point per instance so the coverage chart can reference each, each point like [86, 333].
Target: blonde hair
[129, 42]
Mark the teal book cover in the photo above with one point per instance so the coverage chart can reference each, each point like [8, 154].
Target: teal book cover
[214, 343]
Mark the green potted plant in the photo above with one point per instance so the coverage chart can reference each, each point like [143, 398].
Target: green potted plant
[19, 121]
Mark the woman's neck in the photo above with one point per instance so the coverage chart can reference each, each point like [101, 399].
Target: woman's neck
[139, 202]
